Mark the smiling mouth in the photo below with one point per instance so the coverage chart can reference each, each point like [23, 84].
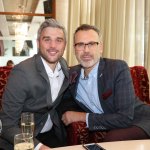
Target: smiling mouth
[52, 52]
[86, 58]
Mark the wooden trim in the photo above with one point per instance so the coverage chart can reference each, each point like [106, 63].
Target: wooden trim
[54, 9]
[27, 14]
[52, 15]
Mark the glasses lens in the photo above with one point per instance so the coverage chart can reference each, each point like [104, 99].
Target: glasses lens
[81, 46]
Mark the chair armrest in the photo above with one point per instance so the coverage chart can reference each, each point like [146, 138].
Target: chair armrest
[78, 133]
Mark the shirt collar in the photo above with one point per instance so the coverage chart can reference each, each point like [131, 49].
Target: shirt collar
[93, 72]
[49, 71]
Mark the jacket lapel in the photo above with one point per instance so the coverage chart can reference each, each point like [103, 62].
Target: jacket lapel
[74, 75]
[65, 70]
[42, 72]
[102, 78]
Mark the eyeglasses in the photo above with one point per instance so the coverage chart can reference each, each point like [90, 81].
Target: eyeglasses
[81, 46]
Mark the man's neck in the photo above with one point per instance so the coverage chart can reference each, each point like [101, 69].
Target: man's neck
[52, 65]
[88, 70]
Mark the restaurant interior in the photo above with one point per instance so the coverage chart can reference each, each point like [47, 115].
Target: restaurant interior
[125, 25]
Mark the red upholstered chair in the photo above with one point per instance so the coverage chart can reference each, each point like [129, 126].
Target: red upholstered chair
[140, 82]
[77, 131]
[4, 73]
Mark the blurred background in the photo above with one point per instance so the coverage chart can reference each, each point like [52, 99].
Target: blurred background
[125, 25]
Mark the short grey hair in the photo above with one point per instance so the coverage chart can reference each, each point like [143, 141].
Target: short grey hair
[85, 27]
[50, 23]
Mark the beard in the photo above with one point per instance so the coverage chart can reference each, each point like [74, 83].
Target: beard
[88, 64]
[52, 56]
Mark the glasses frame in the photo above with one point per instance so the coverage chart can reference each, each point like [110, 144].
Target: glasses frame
[81, 46]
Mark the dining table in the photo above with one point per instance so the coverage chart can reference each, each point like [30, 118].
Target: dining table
[117, 145]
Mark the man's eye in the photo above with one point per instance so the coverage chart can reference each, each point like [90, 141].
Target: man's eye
[91, 43]
[46, 40]
[59, 40]
[80, 44]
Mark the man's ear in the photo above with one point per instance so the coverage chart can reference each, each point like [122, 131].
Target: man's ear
[101, 47]
[37, 44]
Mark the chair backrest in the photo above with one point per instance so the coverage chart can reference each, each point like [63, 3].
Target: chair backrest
[140, 82]
[138, 73]
[4, 73]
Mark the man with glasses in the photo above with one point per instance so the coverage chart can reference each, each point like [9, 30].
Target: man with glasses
[104, 91]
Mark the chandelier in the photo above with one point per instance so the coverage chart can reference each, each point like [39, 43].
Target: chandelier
[21, 31]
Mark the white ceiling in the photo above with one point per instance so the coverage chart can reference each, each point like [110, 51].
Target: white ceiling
[7, 22]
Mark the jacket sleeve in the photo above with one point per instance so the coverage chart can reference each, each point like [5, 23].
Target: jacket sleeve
[17, 91]
[117, 97]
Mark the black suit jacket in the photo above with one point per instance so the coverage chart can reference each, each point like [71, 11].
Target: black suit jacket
[117, 97]
[28, 90]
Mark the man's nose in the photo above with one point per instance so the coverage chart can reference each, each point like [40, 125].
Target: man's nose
[86, 48]
[52, 43]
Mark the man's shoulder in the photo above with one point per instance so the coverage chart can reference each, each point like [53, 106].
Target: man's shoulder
[63, 62]
[114, 62]
[110, 60]
[27, 64]
[113, 66]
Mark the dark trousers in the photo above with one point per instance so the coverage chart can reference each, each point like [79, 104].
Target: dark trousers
[132, 133]
[50, 139]
[5, 145]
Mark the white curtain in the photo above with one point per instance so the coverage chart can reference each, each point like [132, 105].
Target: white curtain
[122, 23]
[147, 37]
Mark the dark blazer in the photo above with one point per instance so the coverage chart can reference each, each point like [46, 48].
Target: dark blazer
[122, 108]
[28, 90]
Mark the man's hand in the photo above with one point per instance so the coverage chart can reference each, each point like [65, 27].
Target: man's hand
[72, 116]
[44, 147]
